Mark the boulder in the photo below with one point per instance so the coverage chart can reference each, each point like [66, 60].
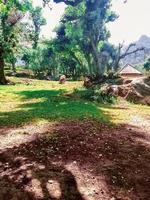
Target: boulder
[87, 82]
[62, 79]
[138, 91]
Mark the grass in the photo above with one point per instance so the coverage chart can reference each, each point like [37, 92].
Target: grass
[123, 111]
[43, 101]
[34, 101]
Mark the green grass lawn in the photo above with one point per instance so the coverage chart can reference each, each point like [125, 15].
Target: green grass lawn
[34, 101]
[43, 101]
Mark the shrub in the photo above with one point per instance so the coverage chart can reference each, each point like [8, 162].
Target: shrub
[95, 93]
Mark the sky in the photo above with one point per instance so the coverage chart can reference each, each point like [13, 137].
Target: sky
[133, 20]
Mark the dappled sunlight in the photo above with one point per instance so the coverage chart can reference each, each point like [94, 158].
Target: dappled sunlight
[50, 105]
[53, 146]
[89, 184]
[83, 160]
[37, 181]
[62, 139]
[35, 188]
[15, 136]
[11, 139]
[11, 100]
[124, 112]
[54, 189]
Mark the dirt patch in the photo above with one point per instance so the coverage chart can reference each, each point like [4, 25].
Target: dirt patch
[10, 137]
[78, 161]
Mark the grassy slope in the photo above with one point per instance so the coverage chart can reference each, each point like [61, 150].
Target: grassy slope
[43, 101]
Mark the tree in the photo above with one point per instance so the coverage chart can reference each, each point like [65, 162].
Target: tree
[68, 2]
[42, 60]
[121, 54]
[69, 48]
[38, 21]
[83, 29]
[11, 12]
[147, 65]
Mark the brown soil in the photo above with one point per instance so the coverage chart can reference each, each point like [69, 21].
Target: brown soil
[76, 161]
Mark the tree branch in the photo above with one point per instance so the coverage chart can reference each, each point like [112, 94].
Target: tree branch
[68, 2]
[129, 47]
[131, 52]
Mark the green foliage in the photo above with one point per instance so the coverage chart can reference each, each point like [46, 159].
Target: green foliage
[80, 48]
[10, 16]
[147, 65]
[83, 35]
[38, 21]
[96, 94]
[39, 60]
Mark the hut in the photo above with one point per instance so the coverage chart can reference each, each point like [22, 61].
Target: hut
[129, 72]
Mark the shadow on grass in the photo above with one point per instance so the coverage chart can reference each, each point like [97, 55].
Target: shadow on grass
[120, 155]
[50, 105]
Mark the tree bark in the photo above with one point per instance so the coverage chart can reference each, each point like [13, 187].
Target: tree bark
[90, 64]
[14, 66]
[99, 69]
[3, 80]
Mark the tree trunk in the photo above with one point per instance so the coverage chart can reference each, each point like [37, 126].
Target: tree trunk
[90, 64]
[115, 64]
[97, 59]
[13, 67]
[3, 80]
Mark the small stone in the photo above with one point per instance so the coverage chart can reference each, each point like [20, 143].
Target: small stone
[113, 198]
[50, 181]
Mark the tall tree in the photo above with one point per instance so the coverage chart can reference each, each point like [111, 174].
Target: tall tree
[11, 12]
[84, 29]
[38, 21]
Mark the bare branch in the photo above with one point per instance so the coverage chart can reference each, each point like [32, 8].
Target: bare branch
[129, 47]
[131, 52]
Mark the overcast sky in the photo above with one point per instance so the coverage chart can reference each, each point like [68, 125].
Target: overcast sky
[132, 23]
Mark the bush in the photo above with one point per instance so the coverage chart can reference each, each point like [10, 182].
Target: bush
[96, 94]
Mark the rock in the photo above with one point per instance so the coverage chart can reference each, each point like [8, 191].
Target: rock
[50, 181]
[62, 79]
[87, 82]
[118, 90]
[138, 91]
[113, 89]
[127, 81]
[113, 198]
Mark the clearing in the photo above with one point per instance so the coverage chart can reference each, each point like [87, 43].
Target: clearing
[59, 148]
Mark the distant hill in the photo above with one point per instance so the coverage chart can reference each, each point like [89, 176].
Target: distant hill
[139, 57]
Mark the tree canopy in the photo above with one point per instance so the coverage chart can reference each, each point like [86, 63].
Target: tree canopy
[81, 46]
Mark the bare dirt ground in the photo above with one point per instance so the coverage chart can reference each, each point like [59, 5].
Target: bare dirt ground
[76, 160]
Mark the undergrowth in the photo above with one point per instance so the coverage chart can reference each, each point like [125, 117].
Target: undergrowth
[96, 94]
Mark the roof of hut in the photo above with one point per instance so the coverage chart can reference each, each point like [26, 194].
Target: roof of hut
[129, 69]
